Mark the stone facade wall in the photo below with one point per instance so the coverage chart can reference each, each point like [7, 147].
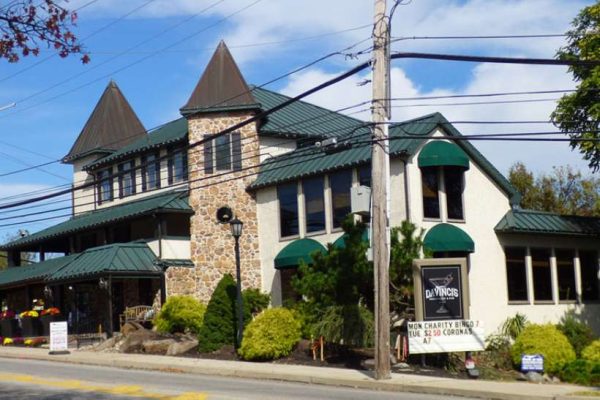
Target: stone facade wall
[212, 246]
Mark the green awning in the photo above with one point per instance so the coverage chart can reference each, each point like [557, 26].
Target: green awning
[120, 258]
[340, 242]
[446, 237]
[300, 249]
[439, 153]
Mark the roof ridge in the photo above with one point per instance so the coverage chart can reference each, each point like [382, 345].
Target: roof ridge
[530, 211]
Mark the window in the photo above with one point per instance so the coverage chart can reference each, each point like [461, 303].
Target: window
[314, 204]
[431, 199]
[288, 209]
[453, 185]
[588, 262]
[105, 186]
[223, 153]
[178, 166]
[542, 278]
[150, 172]
[126, 179]
[565, 269]
[340, 184]
[364, 175]
[288, 295]
[516, 277]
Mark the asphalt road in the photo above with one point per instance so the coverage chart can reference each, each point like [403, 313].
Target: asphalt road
[25, 379]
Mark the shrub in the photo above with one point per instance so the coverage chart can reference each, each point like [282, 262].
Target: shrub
[546, 340]
[349, 325]
[512, 327]
[582, 372]
[497, 351]
[180, 314]
[592, 352]
[255, 301]
[272, 334]
[579, 334]
[218, 328]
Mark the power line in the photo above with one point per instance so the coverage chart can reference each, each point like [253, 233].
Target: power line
[496, 60]
[467, 37]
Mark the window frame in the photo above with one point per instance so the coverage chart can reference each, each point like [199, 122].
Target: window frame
[280, 214]
[172, 154]
[122, 173]
[305, 203]
[527, 298]
[100, 180]
[156, 164]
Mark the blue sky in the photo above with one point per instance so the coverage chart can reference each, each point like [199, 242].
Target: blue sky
[269, 38]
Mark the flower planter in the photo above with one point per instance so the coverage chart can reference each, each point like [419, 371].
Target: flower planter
[32, 327]
[46, 319]
[9, 327]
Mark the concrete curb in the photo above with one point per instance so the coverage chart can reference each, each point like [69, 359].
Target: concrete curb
[298, 374]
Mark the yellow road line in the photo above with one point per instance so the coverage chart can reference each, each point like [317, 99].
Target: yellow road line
[121, 390]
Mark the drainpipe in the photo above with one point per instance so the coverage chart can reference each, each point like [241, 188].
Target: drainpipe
[160, 235]
[406, 196]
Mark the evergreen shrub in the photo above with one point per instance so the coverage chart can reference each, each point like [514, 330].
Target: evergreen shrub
[180, 314]
[592, 352]
[255, 301]
[271, 335]
[582, 372]
[546, 340]
[579, 334]
[219, 324]
[349, 325]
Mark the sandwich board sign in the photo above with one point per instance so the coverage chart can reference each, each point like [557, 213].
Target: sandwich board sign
[442, 325]
[58, 337]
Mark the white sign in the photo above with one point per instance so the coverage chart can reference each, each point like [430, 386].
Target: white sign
[532, 362]
[58, 336]
[445, 336]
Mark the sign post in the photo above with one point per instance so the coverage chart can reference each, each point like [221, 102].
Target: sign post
[442, 309]
[59, 338]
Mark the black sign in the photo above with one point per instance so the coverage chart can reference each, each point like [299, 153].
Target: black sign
[442, 292]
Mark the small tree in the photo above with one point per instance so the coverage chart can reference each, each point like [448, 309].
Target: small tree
[218, 328]
[406, 245]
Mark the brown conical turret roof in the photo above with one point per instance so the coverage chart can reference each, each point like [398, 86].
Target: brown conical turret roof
[221, 87]
[112, 125]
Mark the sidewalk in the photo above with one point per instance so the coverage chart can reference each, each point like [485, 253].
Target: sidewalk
[306, 374]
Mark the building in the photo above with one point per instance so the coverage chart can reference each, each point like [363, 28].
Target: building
[144, 220]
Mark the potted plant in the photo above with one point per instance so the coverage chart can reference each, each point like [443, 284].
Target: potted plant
[47, 316]
[30, 323]
[8, 324]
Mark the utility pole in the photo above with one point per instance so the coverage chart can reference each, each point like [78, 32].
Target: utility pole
[379, 183]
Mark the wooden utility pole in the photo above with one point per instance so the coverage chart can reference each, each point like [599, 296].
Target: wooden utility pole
[379, 183]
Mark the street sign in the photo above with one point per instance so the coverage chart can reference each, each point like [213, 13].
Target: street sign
[445, 336]
[58, 337]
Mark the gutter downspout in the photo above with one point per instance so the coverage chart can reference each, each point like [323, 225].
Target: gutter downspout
[406, 196]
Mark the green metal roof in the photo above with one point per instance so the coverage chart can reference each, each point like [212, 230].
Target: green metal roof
[439, 153]
[301, 119]
[407, 138]
[298, 250]
[164, 202]
[446, 237]
[13, 276]
[529, 221]
[170, 133]
[118, 258]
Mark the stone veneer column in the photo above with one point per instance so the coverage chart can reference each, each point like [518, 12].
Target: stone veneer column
[212, 246]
